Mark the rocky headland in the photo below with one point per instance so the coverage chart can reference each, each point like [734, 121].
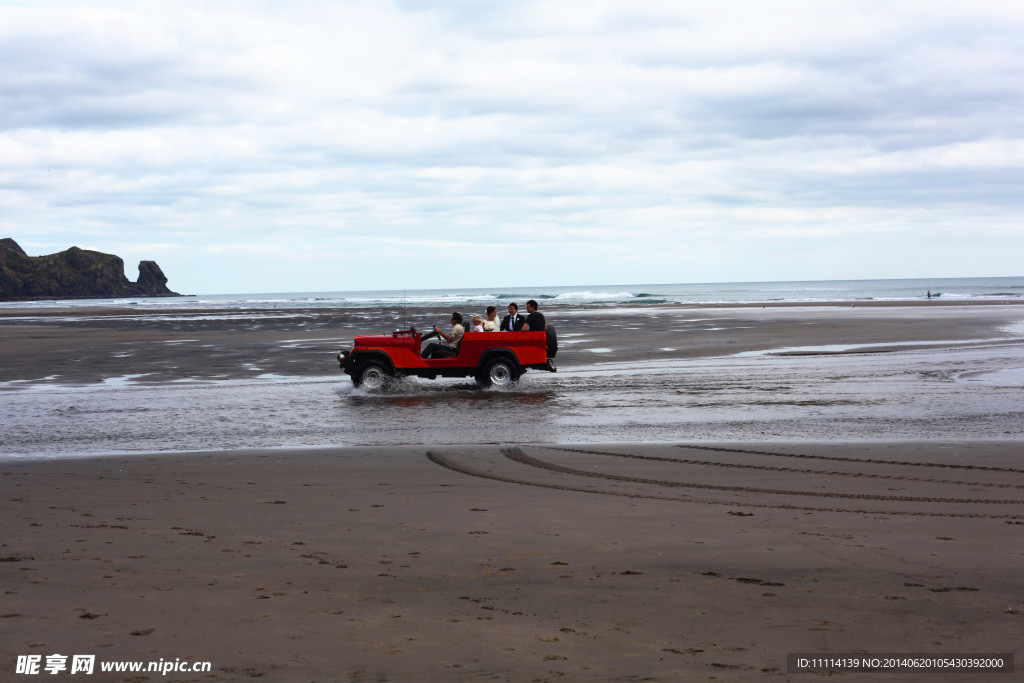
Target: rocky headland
[73, 274]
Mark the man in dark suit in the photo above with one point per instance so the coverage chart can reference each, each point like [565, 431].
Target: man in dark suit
[513, 322]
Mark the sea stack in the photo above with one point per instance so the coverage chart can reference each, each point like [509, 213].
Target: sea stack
[73, 274]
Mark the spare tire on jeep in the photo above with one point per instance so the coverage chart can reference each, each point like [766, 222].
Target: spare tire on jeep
[552, 342]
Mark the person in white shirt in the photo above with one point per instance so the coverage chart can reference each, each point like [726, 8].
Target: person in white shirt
[448, 348]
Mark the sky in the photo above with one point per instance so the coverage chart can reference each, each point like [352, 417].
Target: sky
[349, 145]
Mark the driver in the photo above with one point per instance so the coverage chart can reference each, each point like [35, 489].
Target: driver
[447, 349]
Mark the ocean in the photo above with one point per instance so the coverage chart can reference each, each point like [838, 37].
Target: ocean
[596, 295]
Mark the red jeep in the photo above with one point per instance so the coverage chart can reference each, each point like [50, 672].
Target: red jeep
[493, 358]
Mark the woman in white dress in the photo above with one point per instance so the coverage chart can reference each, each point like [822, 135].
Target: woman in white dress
[491, 320]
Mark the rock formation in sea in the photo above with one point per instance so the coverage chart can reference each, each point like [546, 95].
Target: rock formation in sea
[73, 274]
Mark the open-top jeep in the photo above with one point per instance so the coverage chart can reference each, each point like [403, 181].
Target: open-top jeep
[493, 358]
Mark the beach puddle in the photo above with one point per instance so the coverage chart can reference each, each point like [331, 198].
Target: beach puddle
[1006, 377]
[123, 380]
[878, 347]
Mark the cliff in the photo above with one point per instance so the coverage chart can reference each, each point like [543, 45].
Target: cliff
[73, 274]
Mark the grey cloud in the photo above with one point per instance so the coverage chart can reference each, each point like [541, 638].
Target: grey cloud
[46, 81]
[480, 117]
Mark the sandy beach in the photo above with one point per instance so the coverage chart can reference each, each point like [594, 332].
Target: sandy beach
[456, 563]
[544, 552]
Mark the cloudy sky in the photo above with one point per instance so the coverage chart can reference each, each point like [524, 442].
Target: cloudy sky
[264, 146]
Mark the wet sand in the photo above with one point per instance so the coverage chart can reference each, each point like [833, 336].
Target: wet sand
[535, 561]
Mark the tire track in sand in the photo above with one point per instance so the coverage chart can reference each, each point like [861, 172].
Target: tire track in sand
[572, 479]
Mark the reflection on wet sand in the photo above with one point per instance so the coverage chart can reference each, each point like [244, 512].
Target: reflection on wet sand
[454, 397]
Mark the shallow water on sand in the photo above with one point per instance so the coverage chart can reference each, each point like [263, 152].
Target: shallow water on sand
[949, 394]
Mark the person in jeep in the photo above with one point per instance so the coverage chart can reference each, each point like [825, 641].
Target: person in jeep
[448, 348]
[513, 322]
[535, 319]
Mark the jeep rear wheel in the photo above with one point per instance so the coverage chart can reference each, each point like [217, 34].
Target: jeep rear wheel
[372, 375]
[499, 372]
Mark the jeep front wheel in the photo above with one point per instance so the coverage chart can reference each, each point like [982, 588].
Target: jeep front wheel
[499, 372]
[371, 375]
